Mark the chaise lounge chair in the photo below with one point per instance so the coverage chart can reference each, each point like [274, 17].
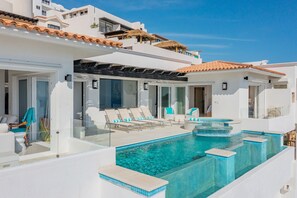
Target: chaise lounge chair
[192, 114]
[113, 120]
[148, 115]
[137, 116]
[126, 118]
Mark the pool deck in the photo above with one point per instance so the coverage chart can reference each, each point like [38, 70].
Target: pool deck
[121, 138]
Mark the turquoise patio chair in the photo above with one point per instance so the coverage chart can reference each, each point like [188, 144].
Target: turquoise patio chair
[169, 113]
[27, 121]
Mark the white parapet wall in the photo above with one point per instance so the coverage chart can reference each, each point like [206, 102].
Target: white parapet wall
[266, 180]
[282, 124]
[73, 175]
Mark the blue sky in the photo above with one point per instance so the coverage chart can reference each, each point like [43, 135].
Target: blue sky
[231, 30]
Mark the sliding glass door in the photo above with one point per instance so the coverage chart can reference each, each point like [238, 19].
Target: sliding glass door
[165, 99]
[23, 97]
[180, 100]
[42, 111]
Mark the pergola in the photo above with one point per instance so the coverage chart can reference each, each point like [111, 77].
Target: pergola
[139, 34]
[172, 45]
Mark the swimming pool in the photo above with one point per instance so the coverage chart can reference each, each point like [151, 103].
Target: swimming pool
[182, 161]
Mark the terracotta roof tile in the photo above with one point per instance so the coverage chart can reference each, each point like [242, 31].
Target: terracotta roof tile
[59, 33]
[222, 65]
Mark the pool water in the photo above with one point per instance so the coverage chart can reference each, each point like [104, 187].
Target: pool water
[182, 161]
[157, 158]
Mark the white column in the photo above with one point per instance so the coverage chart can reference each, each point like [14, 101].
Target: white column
[92, 102]
[61, 95]
[187, 98]
[2, 92]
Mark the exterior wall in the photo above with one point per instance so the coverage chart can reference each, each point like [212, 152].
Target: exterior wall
[72, 176]
[225, 103]
[23, 7]
[81, 24]
[23, 52]
[60, 117]
[233, 102]
[248, 185]
[290, 69]
[6, 5]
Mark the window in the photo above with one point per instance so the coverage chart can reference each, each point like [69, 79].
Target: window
[180, 100]
[280, 86]
[43, 13]
[38, 7]
[105, 26]
[118, 94]
[53, 26]
[46, 2]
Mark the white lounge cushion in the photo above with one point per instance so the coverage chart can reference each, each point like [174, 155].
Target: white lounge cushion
[3, 128]
[11, 119]
[4, 119]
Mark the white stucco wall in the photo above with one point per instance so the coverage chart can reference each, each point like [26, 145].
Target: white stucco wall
[290, 69]
[281, 124]
[23, 7]
[74, 176]
[225, 103]
[233, 102]
[81, 24]
[6, 5]
[29, 52]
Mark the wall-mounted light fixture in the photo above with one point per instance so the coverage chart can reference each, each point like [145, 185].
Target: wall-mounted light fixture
[246, 78]
[68, 77]
[145, 86]
[95, 84]
[224, 86]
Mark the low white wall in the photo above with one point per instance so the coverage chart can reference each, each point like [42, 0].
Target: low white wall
[7, 142]
[266, 180]
[281, 124]
[273, 98]
[73, 176]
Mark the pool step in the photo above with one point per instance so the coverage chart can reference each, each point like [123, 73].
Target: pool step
[138, 183]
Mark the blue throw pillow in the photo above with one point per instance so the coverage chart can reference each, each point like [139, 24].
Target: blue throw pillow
[169, 110]
[127, 119]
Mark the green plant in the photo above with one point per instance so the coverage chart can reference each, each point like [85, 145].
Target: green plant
[94, 25]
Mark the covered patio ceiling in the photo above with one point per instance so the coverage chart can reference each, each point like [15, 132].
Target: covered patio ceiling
[92, 67]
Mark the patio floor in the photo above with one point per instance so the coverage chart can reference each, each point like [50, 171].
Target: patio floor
[120, 137]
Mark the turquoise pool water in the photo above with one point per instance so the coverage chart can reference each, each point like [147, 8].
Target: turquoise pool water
[154, 159]
[182, 161]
